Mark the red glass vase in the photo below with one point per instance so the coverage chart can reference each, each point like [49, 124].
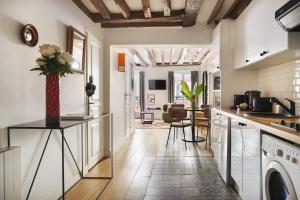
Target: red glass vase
[52, 99]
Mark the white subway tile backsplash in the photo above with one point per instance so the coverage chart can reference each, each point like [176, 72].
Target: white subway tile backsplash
[281, 81]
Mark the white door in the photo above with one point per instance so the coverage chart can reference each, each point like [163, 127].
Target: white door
[95, 134]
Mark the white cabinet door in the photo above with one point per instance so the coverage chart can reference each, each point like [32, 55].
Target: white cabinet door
[239, 46]
[236, 154]
[251, 163]
[276, 38]
[245, 159]
[255, 30]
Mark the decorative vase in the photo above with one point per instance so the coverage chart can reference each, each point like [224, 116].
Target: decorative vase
[52, 99]
[194, 102]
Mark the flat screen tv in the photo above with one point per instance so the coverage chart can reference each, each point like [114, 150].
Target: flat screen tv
[157, 84]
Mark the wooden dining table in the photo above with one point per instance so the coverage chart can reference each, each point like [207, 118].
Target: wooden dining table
[195, 139]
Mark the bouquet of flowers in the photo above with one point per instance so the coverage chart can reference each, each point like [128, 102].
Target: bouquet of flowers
[53, 60]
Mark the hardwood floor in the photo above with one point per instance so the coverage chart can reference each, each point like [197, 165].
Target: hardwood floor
[145, 169]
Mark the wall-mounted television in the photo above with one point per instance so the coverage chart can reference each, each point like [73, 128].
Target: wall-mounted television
[157, 84]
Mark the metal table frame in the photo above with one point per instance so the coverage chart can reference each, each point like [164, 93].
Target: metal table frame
[194, 138]
[63, 142]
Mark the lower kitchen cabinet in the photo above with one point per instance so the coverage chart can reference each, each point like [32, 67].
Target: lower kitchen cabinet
[219, 143]
[245, 159]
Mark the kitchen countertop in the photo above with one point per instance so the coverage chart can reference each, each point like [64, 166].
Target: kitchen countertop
[264, 123]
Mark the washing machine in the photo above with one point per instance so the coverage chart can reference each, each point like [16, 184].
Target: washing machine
[280, 169]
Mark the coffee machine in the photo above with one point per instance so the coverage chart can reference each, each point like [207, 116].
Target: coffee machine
[251, 95]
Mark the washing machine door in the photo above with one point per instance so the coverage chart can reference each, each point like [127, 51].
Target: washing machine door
[278, 185]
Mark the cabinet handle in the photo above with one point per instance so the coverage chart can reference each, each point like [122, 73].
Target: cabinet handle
[247, 61]
[263, 53]
[242, 124]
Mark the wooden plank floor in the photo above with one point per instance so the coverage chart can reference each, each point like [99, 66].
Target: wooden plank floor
[138, 163]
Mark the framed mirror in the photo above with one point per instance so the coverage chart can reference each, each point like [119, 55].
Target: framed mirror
[76, 46]
[30, 35]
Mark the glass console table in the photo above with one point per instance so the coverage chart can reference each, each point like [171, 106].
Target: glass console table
[64, 124]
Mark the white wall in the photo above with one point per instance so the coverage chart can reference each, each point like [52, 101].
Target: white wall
[23, 92]
[156, 73]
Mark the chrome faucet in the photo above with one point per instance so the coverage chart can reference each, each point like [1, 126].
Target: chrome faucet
[292, 108]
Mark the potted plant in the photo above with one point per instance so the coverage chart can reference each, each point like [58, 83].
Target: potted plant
[53, 63]
[191, 94]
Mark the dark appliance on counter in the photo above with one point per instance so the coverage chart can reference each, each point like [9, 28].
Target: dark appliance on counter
[239, 99]
[251, 95]
[262, 104]
[288, 16]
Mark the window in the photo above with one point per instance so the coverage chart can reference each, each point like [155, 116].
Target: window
[178, 77]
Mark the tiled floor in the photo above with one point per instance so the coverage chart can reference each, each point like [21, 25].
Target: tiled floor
[180, 178]
[145, 169]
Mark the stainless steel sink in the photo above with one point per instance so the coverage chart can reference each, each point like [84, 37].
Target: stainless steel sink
[270, 114]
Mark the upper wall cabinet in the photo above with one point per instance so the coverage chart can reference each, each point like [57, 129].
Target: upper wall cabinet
[259, 40]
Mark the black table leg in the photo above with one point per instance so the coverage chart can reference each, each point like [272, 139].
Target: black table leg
[194, 138]
[81, 150]
[37, 169]
[63, 163]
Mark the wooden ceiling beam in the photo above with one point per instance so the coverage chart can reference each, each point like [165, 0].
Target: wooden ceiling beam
[152, 57]
[162, 54]
[138, 16]
[146, 8]
[171, 55]
[204, 56]
[192, 8]
[182, 56]
[141, 24]
[237, 7]
[167, 7]
[125, 10]
[102, 8]
[215, 11]
[138, 55]
[176, 65]
[83, 8]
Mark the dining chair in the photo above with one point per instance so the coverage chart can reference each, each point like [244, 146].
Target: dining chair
[202, 121]
[177, 116]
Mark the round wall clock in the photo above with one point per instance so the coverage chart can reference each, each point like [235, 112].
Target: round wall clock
[30, 35]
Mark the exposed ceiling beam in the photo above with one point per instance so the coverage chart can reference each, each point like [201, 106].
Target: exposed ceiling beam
[237, 7]
[182, 56]
[102, 9]
[196, 55]
[137, 19]
[215, 11]
[167, 7]
[171, 55]
[146, 8]
[204, 56]
[138, 55]
[162, 54]
[83, 8]
[141, 24]
[138, 16]
[152, 57]
[177, 65]
[125, 10]
[192, 8]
